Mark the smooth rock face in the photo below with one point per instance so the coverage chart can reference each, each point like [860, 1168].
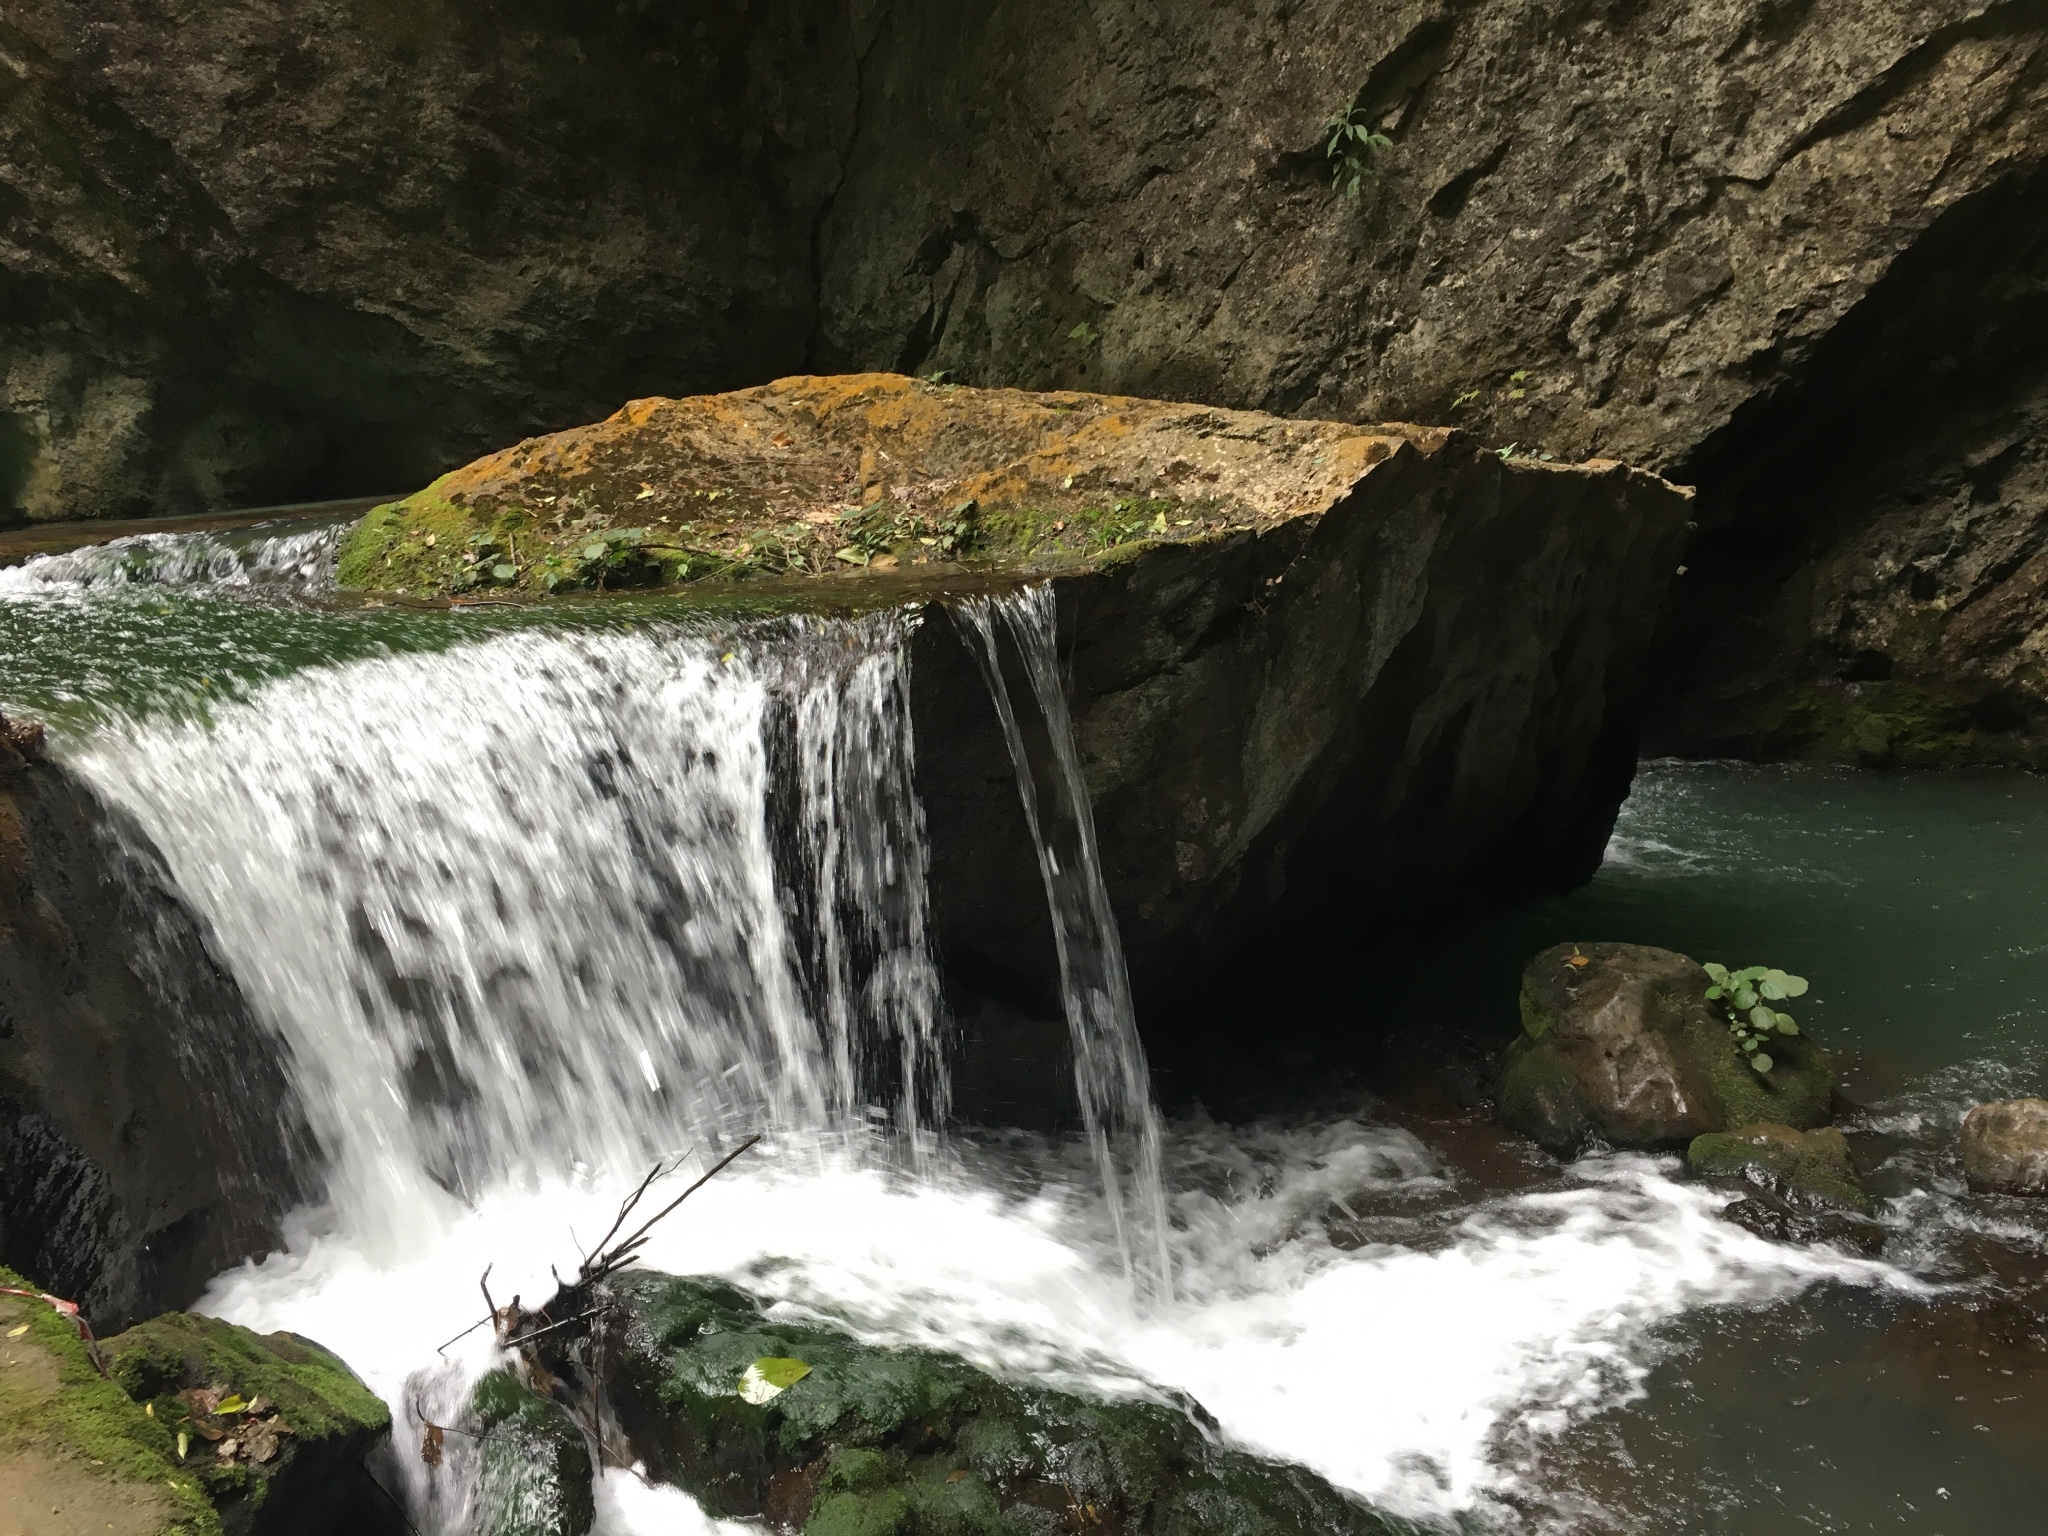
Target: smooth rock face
[147, 1138]
[2005, 1147]
[534, 1473]
[1625, 1049]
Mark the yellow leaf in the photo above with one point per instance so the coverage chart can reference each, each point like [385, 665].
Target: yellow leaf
[15, 1333]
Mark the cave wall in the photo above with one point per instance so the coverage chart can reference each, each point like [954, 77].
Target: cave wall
[257, 251]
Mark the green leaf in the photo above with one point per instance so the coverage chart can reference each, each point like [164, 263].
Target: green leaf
[1747, 1043]
[1795, 986]
[1763, 1017]
[232, 1403]
[593, 551]
[1761, 1062]
[1713, 994]
[1771, 989]
[1716, 970]
[769, 1377]
[1745, 998]
[1786, 1026]
[850, 555]
[504, 572]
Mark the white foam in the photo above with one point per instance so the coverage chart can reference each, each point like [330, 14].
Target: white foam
[1413, 1374]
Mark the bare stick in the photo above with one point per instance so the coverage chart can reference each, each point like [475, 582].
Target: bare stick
[484, 1283]
[626, 1208]
[528, 1338]
[609, 1261]
[472, 1328]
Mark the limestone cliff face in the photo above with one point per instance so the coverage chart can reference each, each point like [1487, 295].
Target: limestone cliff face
[1789, 250]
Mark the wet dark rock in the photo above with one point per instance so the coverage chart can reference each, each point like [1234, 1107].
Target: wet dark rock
[147, 1137]
[534, 1467]
[1619, 1045]
[21, 743]
[897, 1442]
[1802, 1168]
[278, 1428]
[2005, 1147]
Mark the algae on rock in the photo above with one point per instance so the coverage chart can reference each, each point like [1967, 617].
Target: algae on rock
[1801, 1168]
[903, 1442]
[534, 1471]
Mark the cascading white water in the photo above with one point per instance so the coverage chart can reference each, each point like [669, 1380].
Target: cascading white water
[514, 908]
[258, 557]
[532, 909]
[1110, 1075]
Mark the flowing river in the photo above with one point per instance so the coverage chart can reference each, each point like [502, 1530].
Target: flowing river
[513, 888]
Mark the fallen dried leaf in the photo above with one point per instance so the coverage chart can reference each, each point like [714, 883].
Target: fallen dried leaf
[430, 1446]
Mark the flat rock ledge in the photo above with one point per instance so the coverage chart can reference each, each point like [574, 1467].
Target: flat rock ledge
[836, 477]
[1327, 682]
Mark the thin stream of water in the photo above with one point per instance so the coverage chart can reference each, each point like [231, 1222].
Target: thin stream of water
[1110, 1075]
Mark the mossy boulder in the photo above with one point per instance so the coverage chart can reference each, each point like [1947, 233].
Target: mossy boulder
[1619, 1045]
[900, 1442]
[1802, 1168]
[72, 1441]
[276, 1428]
[534, 1466]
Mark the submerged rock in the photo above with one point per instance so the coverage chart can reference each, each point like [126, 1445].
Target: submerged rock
[276, 1428]
[2005, 1147]
[1620, 1045]
[868, 1441]
[1801, 1168]
[534, 1472]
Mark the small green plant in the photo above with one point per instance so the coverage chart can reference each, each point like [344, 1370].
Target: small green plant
[1746, 997]
[1085, 334]
[1353, 146]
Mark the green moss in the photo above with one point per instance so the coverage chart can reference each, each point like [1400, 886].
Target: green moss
[1537, 1021]
[534, 1477]
[93, 1419]
[1812, 1166]
[914, 1443]
[1883, 725]
[1798, 1090]
[1539, 1096]
[314, 1391]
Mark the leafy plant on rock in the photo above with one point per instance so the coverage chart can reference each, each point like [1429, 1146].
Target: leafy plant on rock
[1353, 146]
[1746, 996]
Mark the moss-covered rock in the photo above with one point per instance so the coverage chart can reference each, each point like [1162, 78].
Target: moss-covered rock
[534, 1472]
[1802, 1168]
[72, 1440]
[894, 1442]
[275, 1427]
[1620, 1045]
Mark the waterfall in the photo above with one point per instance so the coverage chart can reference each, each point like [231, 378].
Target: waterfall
[1110, 1074]
[517, 907]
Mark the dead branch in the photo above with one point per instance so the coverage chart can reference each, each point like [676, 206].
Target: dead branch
[616, 1258]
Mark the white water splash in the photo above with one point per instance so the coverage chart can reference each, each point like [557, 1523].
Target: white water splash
[517, 911]
[302, 561]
